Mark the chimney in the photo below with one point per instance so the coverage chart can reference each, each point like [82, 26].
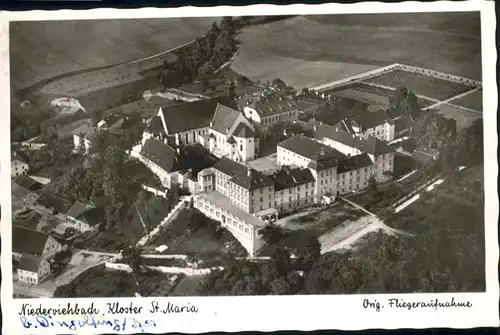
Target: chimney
[249, 172]
[178, 151]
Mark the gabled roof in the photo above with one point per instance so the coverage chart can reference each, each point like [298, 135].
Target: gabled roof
[17, 155]
[403, 123]
[244, 131]
[376, 147]
[49, 199]
[231, 140]
[309, 148]
[161, 154]
[28, 241]
[229, 167]
[252, 180]
[354, 163]
[86, 130]
[224, 118]
[274, 105]
[372, 145]
[371, 119]
[191, 115]
[92, 217]
[28, 183]
[288, 178]
[29, 263]
[155, 126]
[76, 209]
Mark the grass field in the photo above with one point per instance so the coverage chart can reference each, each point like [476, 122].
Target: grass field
[313, 50]
[463, 117]
[472, 101]
[44, 49]
[421, 84]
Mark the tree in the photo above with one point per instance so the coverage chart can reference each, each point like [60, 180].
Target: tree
[372, 183]
[134, 259]
[279, 84]
[272, 234]
[281, 260]
[404, 102]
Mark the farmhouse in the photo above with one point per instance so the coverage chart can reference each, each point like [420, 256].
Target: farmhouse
[18, 165]
[31, 242]
[32, 269]
[268, 110]
[90, 219]
[370, 124]
[85, 217]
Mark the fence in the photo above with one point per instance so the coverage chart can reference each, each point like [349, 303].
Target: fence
[393, 67]
[155, 191]
[164, 269]
[182, 203]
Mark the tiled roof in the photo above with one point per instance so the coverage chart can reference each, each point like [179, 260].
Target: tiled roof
[191, 115]
[86, 130]
[155, 126]
[309, 148]
[354, 163]
[273, 105]
[403, 123]
[28, 241]
[92, 216]
[252, 180]
[229, 167]
[29, 263]
[371, 119]
[161, 154]
[76, 209]
[19, 155]
[244, 131]
[48, 199]
[376, 147]
[372, 145]
[288, 178]
[28, 183]
[223, 119]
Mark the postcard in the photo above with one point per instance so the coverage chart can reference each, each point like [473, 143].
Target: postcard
[261, 168]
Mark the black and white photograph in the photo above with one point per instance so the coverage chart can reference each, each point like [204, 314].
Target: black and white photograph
[333, 154]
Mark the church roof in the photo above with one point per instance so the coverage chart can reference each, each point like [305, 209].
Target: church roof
[243, 130]
[224, 117]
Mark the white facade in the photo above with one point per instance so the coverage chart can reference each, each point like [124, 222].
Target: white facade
[244, 228]
[229, 144]
[269, 119]
[384, 132]
[77, 140]
[18, 167]
[32, 277]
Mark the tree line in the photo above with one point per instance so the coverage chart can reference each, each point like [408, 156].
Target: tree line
[201, 58]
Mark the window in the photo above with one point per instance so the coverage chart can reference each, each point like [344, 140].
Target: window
[241, 147]
[260, 199]
[261, 207]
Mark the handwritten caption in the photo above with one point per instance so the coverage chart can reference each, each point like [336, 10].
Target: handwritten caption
[117, 317]
[436, 304]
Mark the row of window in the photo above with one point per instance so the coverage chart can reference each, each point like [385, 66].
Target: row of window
[227, 220]
[279, 117]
